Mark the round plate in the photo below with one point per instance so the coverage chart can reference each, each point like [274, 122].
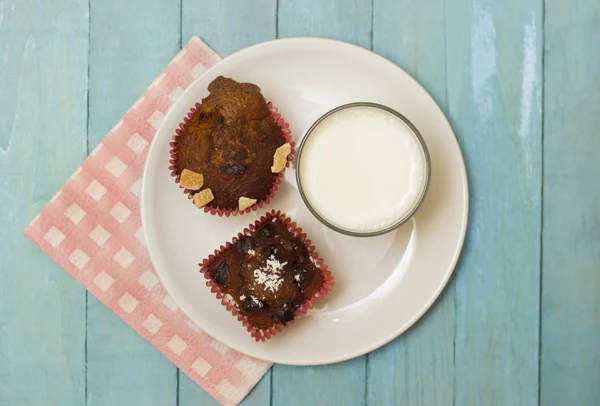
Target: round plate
[383, 284]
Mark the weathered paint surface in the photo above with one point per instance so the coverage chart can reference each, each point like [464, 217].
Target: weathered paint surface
[519, 323]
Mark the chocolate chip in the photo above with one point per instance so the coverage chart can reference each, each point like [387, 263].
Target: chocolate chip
[251, 304]
[204, 116]
[233, 169]
[268, 251]
[245, 244]
[286, 245]
[267, 231]
[219, 123]
[221, 275]
[300, 275]
[284, 314]
[301, 258]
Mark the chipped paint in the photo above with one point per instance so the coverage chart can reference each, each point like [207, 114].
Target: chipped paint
[529, 83]
[483, 60]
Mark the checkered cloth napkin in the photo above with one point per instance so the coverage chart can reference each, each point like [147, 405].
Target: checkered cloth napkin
[92, 228]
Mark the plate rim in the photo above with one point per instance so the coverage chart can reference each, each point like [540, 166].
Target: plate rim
[465, 212]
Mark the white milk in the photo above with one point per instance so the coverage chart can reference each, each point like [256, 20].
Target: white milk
[362, 169]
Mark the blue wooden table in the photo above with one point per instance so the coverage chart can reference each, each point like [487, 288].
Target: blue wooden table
[519, 323]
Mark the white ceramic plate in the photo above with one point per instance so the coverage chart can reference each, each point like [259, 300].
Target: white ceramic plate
[384, 284]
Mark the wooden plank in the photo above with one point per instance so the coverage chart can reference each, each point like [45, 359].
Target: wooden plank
[344, 383]
[191, 394]
[494, 82]
[570, 372]
[418, 367]
[227, 26]
[43, 84]
[348, 20]
[130, 45]
[329, 385]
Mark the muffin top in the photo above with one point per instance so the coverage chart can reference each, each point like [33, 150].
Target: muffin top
[269, 274]
[231, 141]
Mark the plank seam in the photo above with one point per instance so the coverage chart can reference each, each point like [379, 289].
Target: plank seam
[446, 72]
[372, 22]
[542, 114]
[276, 19]
[367, 380]
[271, 385]
[177, 374]
[180, 24]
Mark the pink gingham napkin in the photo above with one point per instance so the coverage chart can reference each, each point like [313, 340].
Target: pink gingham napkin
[92, 228]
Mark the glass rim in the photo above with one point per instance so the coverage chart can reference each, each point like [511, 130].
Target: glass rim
[426, 181]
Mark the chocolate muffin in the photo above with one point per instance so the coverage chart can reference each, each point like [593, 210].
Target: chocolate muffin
[268, 275]
[230, 151]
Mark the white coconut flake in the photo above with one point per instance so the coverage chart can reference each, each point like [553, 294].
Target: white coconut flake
[256, 300]
[242, 297]
[252, 252]
[270, 275]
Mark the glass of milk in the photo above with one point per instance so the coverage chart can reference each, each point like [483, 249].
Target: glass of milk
[363, 169]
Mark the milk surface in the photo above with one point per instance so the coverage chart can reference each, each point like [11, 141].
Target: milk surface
[362, 169]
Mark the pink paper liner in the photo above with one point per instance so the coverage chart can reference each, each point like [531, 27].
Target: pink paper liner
[264, 334]
[285, 129]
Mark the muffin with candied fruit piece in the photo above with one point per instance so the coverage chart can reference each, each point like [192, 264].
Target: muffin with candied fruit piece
[230, 152]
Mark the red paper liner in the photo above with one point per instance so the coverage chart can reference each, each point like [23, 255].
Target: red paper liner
[285, 129]
[231, 305]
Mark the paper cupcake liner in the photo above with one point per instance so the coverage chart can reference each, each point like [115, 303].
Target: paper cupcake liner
[285, 129]
[231, 305]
